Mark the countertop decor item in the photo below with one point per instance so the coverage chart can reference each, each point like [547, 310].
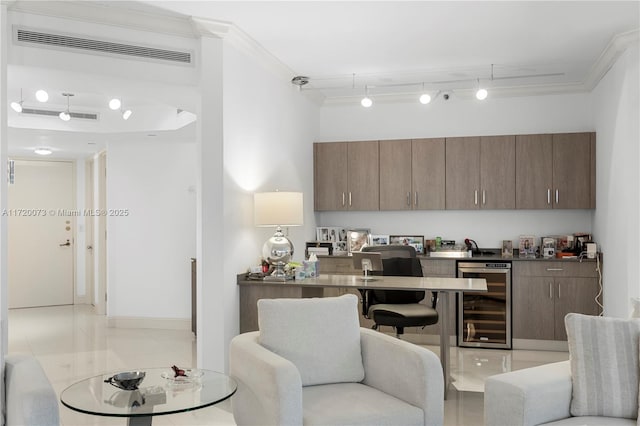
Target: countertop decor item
[128, 380]
[277, 209]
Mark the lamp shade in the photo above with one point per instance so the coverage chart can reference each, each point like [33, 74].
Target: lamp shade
[278, 208]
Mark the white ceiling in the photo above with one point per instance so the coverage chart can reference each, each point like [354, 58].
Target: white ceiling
[386, 44]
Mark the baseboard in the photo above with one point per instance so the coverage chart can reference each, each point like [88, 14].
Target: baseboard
[156, 323]
[540, 345]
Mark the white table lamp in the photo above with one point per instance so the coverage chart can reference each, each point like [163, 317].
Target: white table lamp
[278, 209]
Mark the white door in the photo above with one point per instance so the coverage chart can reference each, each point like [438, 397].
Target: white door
[40, 234]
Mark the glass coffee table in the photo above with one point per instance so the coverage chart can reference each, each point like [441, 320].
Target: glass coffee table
[158, 394]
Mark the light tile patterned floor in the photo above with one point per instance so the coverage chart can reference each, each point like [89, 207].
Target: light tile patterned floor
[72, 343]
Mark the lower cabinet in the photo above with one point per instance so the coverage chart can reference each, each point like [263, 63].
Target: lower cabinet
[544, 292]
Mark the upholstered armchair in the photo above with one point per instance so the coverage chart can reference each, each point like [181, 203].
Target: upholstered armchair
[312, 364]
[598, 386]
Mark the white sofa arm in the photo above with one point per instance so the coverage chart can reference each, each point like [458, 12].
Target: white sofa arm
[407, 371]
[30, 398]
[269, 386]
[528, 397]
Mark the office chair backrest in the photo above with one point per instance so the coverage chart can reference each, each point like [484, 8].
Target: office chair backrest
[392, 251]
[400, 261]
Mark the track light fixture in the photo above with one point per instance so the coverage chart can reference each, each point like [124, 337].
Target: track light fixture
[425, 98]
[17, 106]
[66, 115]
[115, 104]
[481, 93]
[126, 114]
[42, 95]
[366, 101]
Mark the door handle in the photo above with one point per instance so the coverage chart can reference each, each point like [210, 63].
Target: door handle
[68, 243]
[89, 247]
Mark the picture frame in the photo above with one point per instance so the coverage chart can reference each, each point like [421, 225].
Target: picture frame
[507, 248]
[379, 240]
[331, 233]
[417, 241]
[322, 233]
[527, 246]
[357, 239]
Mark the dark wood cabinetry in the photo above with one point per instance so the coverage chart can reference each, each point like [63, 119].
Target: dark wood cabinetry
[412, 174]
[480, 172]
[543, 171]
[555, 171]
[346, 176]
[544, 292]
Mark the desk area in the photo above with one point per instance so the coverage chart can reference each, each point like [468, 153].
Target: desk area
[251, 291]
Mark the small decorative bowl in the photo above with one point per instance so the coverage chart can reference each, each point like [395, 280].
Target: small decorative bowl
[128, 380]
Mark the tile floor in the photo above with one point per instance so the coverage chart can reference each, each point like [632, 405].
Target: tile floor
[72, 343]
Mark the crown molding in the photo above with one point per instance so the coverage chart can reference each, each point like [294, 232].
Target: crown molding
[618, 44]
[237, 38]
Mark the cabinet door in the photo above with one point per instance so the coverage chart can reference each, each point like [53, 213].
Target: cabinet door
[330, 176]
[574, 295]
[363, 175]
[533, 308]
[534, 171]
[572, 170]
[593, 170]
[395, 175]
[428, 171]
[462, 173]
[498, 172]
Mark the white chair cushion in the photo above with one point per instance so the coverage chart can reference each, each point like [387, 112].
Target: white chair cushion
[356, 404]
[320, 336]
[603, 354]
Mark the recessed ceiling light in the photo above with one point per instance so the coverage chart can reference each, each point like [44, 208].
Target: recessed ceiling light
[43, 151]
[482, 94]
[42, 95]
[115, 104]
[425, 98]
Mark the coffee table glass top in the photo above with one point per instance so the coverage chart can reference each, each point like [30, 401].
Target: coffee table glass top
[158, 393]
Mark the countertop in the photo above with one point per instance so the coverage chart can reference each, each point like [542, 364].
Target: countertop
[493, 257]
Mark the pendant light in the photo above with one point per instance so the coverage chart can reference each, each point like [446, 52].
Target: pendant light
[17, 106]
[481, 93]
[425, 98]
[66, 115]
[366, 101]
[126, 114]
[42, 95]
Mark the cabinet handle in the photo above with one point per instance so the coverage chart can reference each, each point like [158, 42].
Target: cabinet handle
[343, 199]
[475, 197]
[554, 269]
[557, 196]
[559, 291]
[484, 197]
[550, 291]
[349, 198]
[416, 199]
[408, 198]
[548, 196]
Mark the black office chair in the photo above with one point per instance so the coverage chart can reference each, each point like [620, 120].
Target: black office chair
[398, 308]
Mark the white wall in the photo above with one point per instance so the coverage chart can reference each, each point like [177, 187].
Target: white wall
[455, 117]
[149, 251]
[269, 128]
[617, 217]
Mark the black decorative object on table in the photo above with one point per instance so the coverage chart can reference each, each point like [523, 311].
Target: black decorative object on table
[128, 380]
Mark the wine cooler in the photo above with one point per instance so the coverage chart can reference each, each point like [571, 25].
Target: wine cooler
[484, 319]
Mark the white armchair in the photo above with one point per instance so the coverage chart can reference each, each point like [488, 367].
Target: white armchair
[311, 364]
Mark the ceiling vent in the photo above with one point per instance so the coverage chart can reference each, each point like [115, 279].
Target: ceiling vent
[50, 113]
[31, 37]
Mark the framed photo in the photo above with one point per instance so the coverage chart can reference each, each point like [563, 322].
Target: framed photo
[507, 248]
[379, 240]
[527, 246]
[357, 238]
[409, 240]
[340, 248]
[322, 234]
[319, 248]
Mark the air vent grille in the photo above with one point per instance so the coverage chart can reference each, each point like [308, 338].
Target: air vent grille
[83, 115]
[99, 46]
